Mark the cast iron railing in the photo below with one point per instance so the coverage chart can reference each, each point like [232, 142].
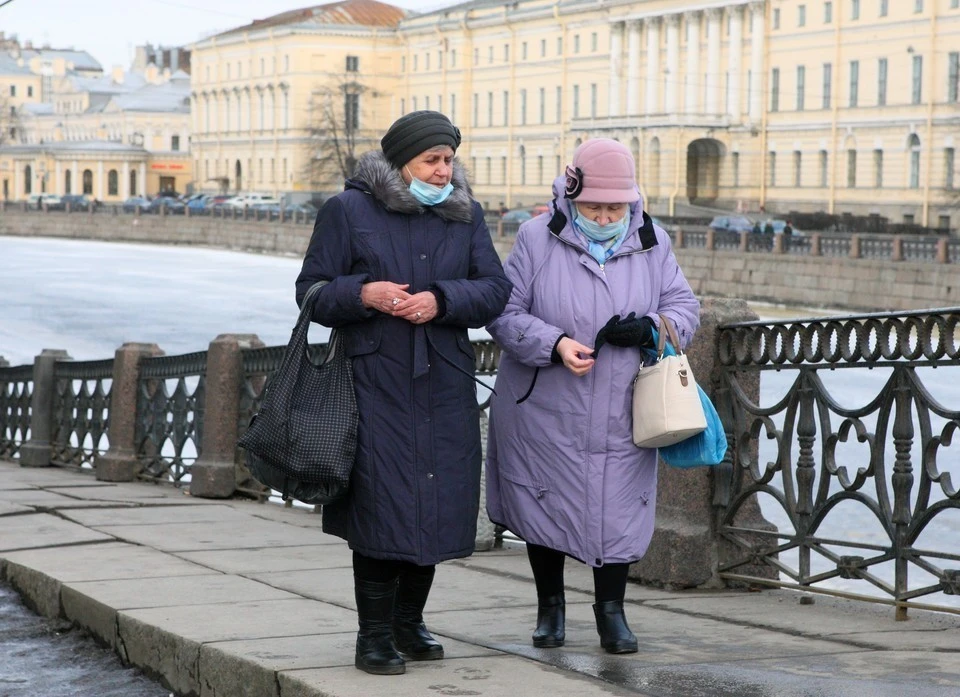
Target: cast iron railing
[826, 449]
[170, 414]
[81, 412]
[16, 391]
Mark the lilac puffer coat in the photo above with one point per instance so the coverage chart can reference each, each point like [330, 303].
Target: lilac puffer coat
[562, 469]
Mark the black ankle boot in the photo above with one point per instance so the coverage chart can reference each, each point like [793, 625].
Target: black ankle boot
[615, 635]
[409, 632]
[375, 650]
[551, 612]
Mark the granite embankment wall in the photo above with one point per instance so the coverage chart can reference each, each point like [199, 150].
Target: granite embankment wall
[795, 279]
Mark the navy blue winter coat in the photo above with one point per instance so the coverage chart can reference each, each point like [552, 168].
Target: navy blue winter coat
[414, 493]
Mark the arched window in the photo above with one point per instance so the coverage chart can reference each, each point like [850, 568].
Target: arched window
[133, 182]
[913, 144]
[238, 175]
[635, 151]
[87, 181]
[653, 175]
[523, 165]
[28, 180]
[68, 182]
[113, 185]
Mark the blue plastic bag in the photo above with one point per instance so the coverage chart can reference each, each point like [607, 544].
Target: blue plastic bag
[705, 449]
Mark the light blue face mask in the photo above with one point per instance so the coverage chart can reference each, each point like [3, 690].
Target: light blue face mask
[601, 233]
[428, 194]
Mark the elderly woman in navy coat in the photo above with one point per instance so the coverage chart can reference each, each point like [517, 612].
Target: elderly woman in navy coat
[411, 266]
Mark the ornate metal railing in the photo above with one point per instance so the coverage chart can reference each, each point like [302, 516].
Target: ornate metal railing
[726, 239]
[169, 428]
[835, 246]
[919, 249]
[859, 483]
[16, 390]
[81, 412]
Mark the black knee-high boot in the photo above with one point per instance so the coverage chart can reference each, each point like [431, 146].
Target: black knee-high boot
[409, 631]
[376, 652]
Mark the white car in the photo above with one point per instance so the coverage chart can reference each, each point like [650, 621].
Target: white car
[245, 200]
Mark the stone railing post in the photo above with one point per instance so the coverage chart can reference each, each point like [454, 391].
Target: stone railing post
[815, 245]
[119, 463]
[855, 246]
[744, 241]
[711, 239]
[500, 232]
[214, 474]
[896, 249]
[678, 242]
[778, 244]
[36, 451]
[943, 250]
[186, 211]
[685, 549]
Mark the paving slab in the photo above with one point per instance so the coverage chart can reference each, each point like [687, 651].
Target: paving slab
[138, 492]
[157, 515]
[43, 530]
[493, 676]
[273, 559]
[186, 537]
[94, 604]
[167, 640]
[233, 668]
[12, 472]
[454, 588]
[857, 623]
[300, 517]
[35, 497]
[13, 509]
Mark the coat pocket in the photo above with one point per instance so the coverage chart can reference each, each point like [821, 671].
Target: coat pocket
[537, 488]
[363, 339]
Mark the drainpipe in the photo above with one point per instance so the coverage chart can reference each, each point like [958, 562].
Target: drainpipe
[835, 110]
[930, 71]
[764, 104]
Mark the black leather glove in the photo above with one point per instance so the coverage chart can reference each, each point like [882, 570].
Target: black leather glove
[626, 332]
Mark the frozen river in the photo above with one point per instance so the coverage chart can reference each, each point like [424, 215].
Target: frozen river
[90, 297]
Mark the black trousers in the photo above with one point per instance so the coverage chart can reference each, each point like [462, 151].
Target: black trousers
[383, 570]
[609, 580]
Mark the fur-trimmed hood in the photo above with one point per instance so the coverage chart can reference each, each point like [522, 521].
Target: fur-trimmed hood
[377, 177]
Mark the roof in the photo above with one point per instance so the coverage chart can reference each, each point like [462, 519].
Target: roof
[37, 108]
[10, 66]
[81, 59]
[70, 146]
[368, 13]
[171, 97]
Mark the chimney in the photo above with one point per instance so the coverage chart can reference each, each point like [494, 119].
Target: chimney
[116, 74]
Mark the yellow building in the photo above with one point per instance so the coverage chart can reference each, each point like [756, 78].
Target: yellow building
[834, 105]
[83, 132]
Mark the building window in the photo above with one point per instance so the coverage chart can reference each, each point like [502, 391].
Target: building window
[851, 169]
[824, 173]
[175, 143]
[918, 5]
[353, 64]
[576, 101]
[133, 180]
[503, 170]
[506, 108]
[943, 221]
[523, 165]
[827, 12]
[453, 58]
[29, 90]
[776, 18]
[797, 168]
[593, 100]
[559, 104]
[914, 144]
[476, 56]
[489, 170]
[453, 108]
[403, 107]
[775, 90]
[87, 182]
[28, 180]
[506, 53]
[489, 108]
[426, 61]
[403, 64]
[878, 169]
[576, 43]
[490, 55]
[286, 65]
[523, 107]
[827, 84]
[523, 50]
[736, 168]
[854, 9]
[802, 16]
[948, 165]
[539, 169]
[801, 86]
[543, 105]
[113, 185]
[882, 82]
[917, 79]
[908, 218]
[854, 82]
[953, 77]
[772, 170]
[68, 182]
[476, 110]
[884, 7]
[426, 102]
[351, 111]
[13, 90]
[593, 42]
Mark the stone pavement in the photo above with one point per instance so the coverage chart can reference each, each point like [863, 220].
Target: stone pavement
[236, 599]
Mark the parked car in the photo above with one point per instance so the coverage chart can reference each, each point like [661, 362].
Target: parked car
[519, 215]
[51, 201]
[77, 201]
[136, 204]
[250, 200]
[199, 204]
[170, 206]
[731, 223]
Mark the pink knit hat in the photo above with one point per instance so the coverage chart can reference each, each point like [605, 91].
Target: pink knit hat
[603, 171]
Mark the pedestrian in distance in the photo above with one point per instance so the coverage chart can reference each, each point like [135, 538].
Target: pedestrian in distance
[590, 281]
[788, 229]
[411, 266]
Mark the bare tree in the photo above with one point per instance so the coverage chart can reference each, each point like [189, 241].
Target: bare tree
[336, 131]
[9, 122]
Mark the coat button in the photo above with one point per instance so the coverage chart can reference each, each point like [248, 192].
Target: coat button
[429, 475]
[426, 420]
[422, 257]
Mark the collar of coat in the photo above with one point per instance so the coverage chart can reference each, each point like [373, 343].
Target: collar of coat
[642, 224]
[375, 175]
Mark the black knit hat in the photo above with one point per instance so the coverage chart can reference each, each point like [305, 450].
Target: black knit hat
[415, 133]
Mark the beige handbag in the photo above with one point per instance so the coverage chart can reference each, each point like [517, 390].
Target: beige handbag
[666, 403]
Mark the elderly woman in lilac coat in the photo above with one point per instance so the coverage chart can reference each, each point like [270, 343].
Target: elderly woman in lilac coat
[562, 470]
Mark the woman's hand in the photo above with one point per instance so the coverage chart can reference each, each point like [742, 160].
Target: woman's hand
[573, 354]
[418, 308]
[384, 296]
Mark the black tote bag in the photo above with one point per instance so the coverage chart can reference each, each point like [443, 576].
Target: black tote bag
[303, 440]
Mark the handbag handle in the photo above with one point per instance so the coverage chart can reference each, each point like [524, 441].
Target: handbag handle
[667, 328]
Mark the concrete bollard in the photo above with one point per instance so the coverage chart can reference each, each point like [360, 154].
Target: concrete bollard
[685, 550]
[119, 463]
[36, 451]
[214, 474]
